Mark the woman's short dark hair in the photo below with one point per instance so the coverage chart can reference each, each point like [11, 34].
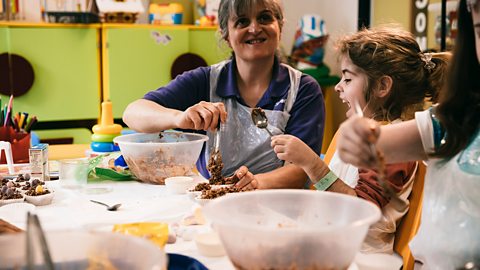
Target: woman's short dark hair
[228, 8]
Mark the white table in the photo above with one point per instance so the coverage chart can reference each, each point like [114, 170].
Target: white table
[71, 209]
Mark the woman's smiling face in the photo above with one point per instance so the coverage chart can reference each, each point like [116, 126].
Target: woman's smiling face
[254, 36]
[352, 87]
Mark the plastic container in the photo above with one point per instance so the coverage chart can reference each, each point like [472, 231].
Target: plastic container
[73, 173]
[378, 261]
[179, 184]
[209, 245]
[78, 250]
[72, 17]
[152, 157]
[291, 229]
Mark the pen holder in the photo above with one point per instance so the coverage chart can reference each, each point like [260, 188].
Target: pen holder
[20, 144]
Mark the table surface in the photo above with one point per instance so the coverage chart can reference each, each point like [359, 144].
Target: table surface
[72, 209]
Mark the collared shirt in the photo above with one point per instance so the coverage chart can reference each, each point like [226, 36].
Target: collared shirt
[307, 115]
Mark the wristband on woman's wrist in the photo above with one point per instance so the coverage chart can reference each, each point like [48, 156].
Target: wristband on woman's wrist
[326, 181]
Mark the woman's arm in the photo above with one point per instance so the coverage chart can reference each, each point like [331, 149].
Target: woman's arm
[147, 116]
[182, 103]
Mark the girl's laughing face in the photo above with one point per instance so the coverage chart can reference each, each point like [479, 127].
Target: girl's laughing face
[352, 87]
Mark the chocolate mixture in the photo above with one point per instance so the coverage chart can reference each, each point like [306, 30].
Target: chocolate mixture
[215, 167]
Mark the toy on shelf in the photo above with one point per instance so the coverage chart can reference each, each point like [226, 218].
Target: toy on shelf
[119, 11]
[105, 131]
[165, 14]
[207, 11]
[310, 39]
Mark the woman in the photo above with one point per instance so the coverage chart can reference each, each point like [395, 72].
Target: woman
[448, 136]
[388, 77]
[227, 92]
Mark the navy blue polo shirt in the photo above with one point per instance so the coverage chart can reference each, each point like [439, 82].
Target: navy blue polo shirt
[307, 116]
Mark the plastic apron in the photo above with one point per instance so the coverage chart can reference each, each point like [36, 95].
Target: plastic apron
[449, 235]
[242, 143]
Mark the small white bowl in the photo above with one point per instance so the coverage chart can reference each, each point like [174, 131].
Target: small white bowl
[220, 186]
[378, 261]
[179, 184]
[193, 194]
[40, 200]
[202, 202]
[209, 244]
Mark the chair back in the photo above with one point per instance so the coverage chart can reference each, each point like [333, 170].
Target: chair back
[411, 221]
[331, 149]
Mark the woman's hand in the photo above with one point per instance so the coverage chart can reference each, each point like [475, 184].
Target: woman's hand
[247, 179]
[356, 135]
[292, 150]
[203, 116]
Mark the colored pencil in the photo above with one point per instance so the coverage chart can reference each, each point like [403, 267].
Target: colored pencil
[21, 120]
[9, 111]
[32, 122]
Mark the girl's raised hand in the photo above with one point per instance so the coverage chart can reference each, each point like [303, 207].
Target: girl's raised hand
[292, 150]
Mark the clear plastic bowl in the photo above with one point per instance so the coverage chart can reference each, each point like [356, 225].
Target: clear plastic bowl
[78, 250]
[152, 157]
[291, 229]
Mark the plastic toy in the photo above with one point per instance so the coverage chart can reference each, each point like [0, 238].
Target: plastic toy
[310, 39]
[106, 131]
[165, 14]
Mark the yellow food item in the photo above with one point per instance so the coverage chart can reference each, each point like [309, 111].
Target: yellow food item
[156, 232]
[39, 189]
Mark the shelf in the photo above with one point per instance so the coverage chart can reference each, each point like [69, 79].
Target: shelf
[104, 25]
[437, 7]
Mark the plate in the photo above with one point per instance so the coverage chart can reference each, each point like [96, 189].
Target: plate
[182, 262]
[16, 213]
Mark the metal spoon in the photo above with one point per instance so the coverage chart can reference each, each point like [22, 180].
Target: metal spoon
[216, 155]
[260, 119]
[109, 208]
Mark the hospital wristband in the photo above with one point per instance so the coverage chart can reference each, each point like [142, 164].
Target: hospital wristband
[326, 181]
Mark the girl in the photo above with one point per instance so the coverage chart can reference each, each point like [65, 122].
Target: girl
[386, 74]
